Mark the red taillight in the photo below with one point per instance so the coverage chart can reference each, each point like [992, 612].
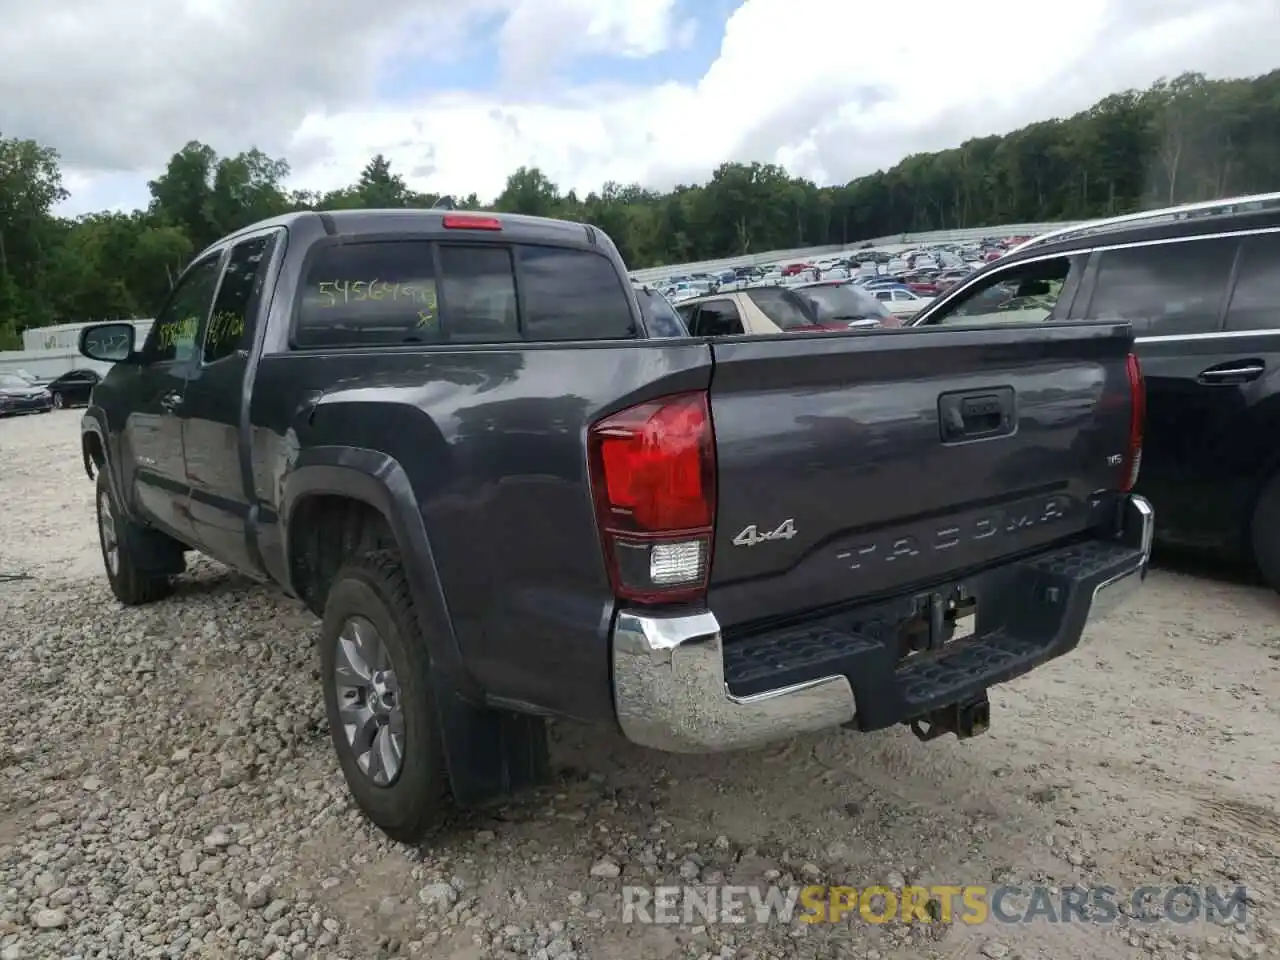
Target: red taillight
[466, 221]
[1137, 418]
[653, 475]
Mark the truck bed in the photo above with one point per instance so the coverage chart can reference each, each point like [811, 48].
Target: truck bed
[861, 465]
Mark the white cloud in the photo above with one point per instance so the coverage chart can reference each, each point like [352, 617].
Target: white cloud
[831, 89]
[538, 32]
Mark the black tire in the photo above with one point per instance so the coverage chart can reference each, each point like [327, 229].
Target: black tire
[130, 585]
[415, 803]
[1264, 533]
[59, 401]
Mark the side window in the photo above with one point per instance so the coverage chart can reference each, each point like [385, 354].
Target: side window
[884, 296]
[661, 320]
[1255, 304]
[478, 287]
[572, 295]
[782, 307]
[173, 335]
[231, 326]
[1025, 293]
[717, 318]
[368, 294]
[1164, 289]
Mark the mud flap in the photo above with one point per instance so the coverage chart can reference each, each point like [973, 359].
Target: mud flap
[490, 754]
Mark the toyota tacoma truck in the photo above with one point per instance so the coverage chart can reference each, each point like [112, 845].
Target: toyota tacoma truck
[454, 438]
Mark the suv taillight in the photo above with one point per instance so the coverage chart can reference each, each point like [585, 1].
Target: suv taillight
[653, 476]
[1137, 418]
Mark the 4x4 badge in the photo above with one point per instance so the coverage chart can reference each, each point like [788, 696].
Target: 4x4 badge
[752, 535]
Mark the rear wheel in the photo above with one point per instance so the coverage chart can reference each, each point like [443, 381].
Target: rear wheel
[378, 695]
[1264, 533]
[119, 537]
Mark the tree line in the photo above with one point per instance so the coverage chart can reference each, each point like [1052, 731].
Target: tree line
[1182, 139]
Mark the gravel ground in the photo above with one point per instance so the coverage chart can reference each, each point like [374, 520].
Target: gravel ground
[167, 788]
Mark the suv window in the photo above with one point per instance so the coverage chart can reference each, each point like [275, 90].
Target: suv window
[231, 326]
[1255, 303]
[573, 295]
[843, 301]
[1024, 293]
[780, 306]
[1164, 289]
[717, 318]
[173, 335]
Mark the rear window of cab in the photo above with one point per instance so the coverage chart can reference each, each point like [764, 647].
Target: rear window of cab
[400, 292]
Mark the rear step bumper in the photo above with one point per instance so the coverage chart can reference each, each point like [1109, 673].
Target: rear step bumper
[679, 687]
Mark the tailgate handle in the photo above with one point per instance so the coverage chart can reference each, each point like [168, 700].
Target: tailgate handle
[974, 414]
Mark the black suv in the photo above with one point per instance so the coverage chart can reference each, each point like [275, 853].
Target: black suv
[1201, 286]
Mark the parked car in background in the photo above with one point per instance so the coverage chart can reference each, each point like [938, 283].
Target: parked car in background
[30, 378]
[18, 395]
[901, 301]
[801, 308]
[1200, 285]
[72, 388]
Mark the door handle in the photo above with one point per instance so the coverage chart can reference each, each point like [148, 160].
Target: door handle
[973, 414]
[1241, 373]
[171, 401]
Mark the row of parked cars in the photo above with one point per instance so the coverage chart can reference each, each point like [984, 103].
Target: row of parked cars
[22, 392]
[903, 281]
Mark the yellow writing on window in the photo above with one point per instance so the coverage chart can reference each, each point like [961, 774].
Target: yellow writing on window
[225, 327]
[334, 293]
[179, 333]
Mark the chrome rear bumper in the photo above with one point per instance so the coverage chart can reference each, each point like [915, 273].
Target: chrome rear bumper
[669, 671]
[670, 692]
[1137, 531]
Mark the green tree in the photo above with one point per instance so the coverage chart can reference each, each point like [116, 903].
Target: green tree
[1185, 138]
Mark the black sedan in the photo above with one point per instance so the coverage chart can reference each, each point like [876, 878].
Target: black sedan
[19, 396]
[73, 387]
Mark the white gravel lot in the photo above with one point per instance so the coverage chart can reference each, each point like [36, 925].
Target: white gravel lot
[167, 788]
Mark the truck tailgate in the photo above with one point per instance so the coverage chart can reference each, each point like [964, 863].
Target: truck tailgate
[855, 465]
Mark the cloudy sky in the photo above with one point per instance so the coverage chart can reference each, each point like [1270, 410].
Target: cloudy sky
[460, 92]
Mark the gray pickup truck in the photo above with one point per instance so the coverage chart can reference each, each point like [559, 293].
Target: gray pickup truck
[455, 437]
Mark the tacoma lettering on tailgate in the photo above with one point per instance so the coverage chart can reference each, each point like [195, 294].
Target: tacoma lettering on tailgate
[1033, 513]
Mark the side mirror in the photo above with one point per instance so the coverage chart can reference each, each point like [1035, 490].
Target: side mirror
[108, 342]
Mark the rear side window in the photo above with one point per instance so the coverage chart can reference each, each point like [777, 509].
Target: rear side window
[834, 303]
[717, 318]
[1165, 289]
[785, 311]
[1255, 304]
[572, 295]
[404, 292]
[659, 316]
